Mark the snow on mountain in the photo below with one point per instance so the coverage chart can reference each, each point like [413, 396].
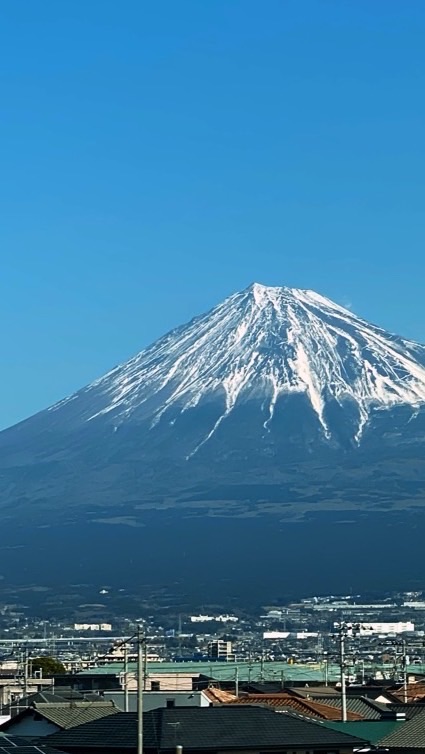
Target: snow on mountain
[275, 424]
[265, 343]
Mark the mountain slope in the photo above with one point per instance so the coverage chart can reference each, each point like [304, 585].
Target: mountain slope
[277, 402]
[263, 343]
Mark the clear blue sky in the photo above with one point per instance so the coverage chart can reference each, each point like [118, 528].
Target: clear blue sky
[159, 155]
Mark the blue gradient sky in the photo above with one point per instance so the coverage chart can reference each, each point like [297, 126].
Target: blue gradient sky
[157, 156]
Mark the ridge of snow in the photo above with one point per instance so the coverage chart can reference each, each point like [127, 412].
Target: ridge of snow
[268, 341]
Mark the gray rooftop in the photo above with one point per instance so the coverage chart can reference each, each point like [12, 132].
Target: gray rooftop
[65, 715]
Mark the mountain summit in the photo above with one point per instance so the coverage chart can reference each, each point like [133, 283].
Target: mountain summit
[277, 408]
[265, 344]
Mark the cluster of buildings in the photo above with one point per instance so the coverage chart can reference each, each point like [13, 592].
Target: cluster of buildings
[219, 683]
[182, 710]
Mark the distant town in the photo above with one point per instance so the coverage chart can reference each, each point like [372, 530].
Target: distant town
[278, 643]
[334, 663]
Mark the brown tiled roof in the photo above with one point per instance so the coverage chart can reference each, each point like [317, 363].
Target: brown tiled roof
[217, 695]
[302, 706]
[415, 692]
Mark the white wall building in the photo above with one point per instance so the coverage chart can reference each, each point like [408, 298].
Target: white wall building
[220, 650]
[162, 681]
[11, 689]
[399, 627]
[217, 618]
[156, 699]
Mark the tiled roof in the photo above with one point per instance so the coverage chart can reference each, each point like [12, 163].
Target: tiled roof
[414, 692]
[26, 701]
[39, 696]
[217, 696]
[409, 735]
[371, 710]
[65, 715]
[225, 726]
[366, 692]
[263, 687]
[370, 730]
[365, 708]
[313, 691]
[410, 709]
[59, 697]
[303, 706]
[371, 692]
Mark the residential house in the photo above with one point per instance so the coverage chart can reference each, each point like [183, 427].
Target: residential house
[44, 719]
[156, 699]
[408, 738]
[210, 730]
[11, 688]
[306, 707]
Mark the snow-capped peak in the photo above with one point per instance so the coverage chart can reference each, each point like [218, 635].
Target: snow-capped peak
[264, 343]
[275, 294]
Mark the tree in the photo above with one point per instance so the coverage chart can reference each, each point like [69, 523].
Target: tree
[47, 666]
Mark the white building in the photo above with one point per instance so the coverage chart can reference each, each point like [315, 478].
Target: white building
[162, 681]
[220, 650]
[399, 627]
[156, 699]
[201, 618]
[11, 688]
[217, 618]
[92, 627]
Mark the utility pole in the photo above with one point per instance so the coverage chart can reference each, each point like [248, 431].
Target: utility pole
[342, 637]
[326, 662]
[139, 690]
[26, 672]
[145, 665]
[125, 678]
[237, 681]
[363, 673]
[401, 661]
[404, 672]
[345, 630]
[180, 634]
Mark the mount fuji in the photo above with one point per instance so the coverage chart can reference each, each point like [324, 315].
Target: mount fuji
[277, 420]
